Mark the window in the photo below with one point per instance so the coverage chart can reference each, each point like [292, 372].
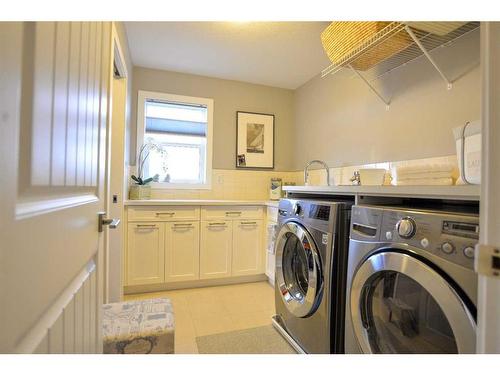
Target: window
[182, 128]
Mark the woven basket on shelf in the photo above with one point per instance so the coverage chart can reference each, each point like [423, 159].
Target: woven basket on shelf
[436, 28]
[342, 38]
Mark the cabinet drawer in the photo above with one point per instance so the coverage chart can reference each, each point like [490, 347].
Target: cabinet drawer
[272, 213]
[163, 213]
[232, 212]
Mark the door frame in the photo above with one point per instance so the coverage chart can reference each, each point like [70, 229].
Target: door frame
[115, 176]
[488, 334]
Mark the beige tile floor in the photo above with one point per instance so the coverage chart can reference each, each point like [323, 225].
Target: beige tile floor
[206, 311]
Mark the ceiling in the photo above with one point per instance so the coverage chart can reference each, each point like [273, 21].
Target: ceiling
[279, 54]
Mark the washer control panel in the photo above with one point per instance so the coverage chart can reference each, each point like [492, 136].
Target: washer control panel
[449, 236]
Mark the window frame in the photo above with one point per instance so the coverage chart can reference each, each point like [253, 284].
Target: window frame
[142, 97]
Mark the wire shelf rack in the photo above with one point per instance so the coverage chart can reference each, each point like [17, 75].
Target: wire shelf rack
[413, 51]
[422, 44]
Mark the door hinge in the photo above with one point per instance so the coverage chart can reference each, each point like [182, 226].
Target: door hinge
[487, 260]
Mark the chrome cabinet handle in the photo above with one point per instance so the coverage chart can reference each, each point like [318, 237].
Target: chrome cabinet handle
[183, 225]
[248, 223]
[102, 221]
[213, 225]
[165, 213]
[145, 225]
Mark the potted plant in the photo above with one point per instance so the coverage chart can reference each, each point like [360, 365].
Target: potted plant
[141, 188]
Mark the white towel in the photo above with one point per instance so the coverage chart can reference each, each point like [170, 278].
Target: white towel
[424, 181]
[423, 168]
[420, 175]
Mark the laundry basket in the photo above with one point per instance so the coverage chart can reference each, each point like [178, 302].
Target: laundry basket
[468, 146]
[346, 38]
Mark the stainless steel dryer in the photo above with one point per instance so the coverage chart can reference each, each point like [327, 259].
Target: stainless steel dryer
[411, 287]
[311, 249]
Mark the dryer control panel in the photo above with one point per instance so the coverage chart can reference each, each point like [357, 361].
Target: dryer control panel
[450, 236]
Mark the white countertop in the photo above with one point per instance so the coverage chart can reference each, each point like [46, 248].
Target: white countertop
[198, 202]
[460, 192]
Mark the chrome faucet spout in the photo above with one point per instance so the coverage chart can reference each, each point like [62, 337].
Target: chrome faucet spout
[306, 171]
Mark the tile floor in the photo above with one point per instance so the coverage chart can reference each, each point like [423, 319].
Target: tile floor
[206, 311]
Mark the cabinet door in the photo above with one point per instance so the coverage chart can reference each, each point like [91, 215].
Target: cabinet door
[182, 251]
[247, 247]
[145, 253]
[216, 249]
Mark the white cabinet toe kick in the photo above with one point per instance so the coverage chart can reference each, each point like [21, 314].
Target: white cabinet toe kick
[174, 247]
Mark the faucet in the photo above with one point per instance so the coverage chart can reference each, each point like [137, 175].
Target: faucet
[306, 171]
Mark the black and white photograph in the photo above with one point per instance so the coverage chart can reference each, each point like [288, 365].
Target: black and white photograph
[254, 140]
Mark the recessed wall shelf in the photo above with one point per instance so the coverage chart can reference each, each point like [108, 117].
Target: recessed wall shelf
[423, 42]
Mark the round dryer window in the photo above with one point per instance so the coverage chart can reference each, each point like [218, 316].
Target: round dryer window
[298, 270]
[401, 305]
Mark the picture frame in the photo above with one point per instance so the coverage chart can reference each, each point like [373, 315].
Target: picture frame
[254, 140]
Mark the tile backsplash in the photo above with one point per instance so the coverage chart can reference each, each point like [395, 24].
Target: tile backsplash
[229, 184]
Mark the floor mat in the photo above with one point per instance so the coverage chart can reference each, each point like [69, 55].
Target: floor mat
[259, 340]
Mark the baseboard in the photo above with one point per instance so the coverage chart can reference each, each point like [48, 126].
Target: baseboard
[133, 289]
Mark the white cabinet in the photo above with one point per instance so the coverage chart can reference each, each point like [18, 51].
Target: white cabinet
[145, 253]
[182, 255]
[247, 247]
[168, 245]
[216, 247]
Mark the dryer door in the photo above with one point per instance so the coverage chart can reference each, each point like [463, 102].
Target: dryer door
[399, 304]
[298, 270]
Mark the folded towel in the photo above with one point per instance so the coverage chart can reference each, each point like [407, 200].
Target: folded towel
[424, 181]
[408, 176]
[423, 168]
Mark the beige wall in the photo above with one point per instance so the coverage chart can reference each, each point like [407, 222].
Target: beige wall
[339, 120]
[229, 97]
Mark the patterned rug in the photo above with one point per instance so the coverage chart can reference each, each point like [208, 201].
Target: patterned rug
[259, 340]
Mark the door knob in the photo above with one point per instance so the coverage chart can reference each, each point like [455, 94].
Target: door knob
[113, 223]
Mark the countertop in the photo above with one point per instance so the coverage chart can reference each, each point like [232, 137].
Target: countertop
[459, 192]
[456, 192]
[198, 202]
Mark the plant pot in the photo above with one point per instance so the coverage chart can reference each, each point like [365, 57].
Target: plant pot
[140, 192]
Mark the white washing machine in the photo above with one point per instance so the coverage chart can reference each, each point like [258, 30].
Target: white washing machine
[311, 249]
[411, 285]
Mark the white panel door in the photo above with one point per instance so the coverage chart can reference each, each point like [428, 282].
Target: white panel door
[247, 247]
[216, 247]
[145, 253]
[54, 84]
[182, 251]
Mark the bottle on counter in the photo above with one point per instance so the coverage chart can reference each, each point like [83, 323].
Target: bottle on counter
[275, 192]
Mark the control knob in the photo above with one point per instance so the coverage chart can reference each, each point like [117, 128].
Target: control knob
[469, 252]
[406, 227]
[447, 247]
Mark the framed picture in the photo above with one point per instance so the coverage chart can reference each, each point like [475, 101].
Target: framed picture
[254, 140]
